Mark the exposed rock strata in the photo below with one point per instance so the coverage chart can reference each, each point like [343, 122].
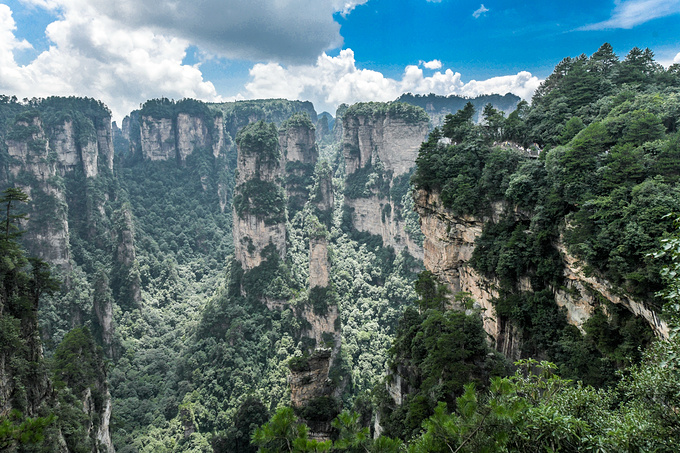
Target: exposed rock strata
[256, 163]
[298, 145]
[448, 246]
[40, 154]
[178, 137]
[308, 382]
[390, 145]
[583, 291]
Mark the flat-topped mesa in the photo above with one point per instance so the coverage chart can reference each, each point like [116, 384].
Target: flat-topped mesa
[298, 145]
[259, 198]
[169, 130]
[380, 145]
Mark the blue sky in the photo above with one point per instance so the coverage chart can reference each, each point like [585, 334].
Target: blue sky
[326, 51]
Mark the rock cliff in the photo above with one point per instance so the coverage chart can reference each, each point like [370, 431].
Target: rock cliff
[177, 137]
[448, 246]
[380, 144]
[41, 153]
[298, 145]
[259, 200]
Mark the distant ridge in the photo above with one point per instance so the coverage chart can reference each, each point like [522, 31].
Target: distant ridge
[437, 107]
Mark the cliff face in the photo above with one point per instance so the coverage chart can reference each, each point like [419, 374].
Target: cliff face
[448, 246]
[41, 154]
[259, 209]
[176, 138]
[380, 147]
[298, 145]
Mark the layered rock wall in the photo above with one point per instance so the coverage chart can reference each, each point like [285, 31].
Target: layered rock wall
[298, 145]
[177, 137]
[259, 173]
[386, 145]
[448, 246]
[40, 155]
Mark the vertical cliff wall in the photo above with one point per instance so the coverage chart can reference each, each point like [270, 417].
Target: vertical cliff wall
[41, 154]
[448, 246]
[380, 144]
[259, 197]
[178, 136]
[298, 145]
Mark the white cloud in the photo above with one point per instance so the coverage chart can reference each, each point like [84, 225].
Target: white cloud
[434, 64]
[481, 10]
[629, 13]
[95, 57]
[289, 31]
[344, 7]
[334, 80]
[677, 58]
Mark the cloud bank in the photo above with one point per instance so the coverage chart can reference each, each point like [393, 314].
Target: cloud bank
[290, 31]
[93, 54]
[335, 80]
[97, 58]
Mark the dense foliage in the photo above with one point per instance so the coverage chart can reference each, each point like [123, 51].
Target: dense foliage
[601, 186]
[396, 110]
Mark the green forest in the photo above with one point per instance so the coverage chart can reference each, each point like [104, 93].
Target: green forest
[149, 311]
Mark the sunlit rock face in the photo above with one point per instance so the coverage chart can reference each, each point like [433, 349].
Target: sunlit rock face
[448, 246]
[259, 173]
[378, 148]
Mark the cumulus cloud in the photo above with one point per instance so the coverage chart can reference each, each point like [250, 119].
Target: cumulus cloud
[677, 58]
[95, 57]
[335, 80]
[344, 7]
[629, 13]
[289, 31]
[478, 12]
[434, 64]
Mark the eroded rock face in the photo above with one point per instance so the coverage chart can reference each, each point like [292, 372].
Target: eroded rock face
[318, 262]
[252, 235]
[259, 171]
[157, 138]
[40, 153]
[394, 141]
[389, 145]
[583, 291]
[178, 137]
[448, 246]
[308, 383]
[298, 145]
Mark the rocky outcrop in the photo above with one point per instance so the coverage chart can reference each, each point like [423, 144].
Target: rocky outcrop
[298, 145]
[158, 138]
[310, 388]
[259, 200]
[176, 137]
[380, 144]
[392, 139]
[583, 291]
[318, 262]
[42, 152]
[448, 246]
